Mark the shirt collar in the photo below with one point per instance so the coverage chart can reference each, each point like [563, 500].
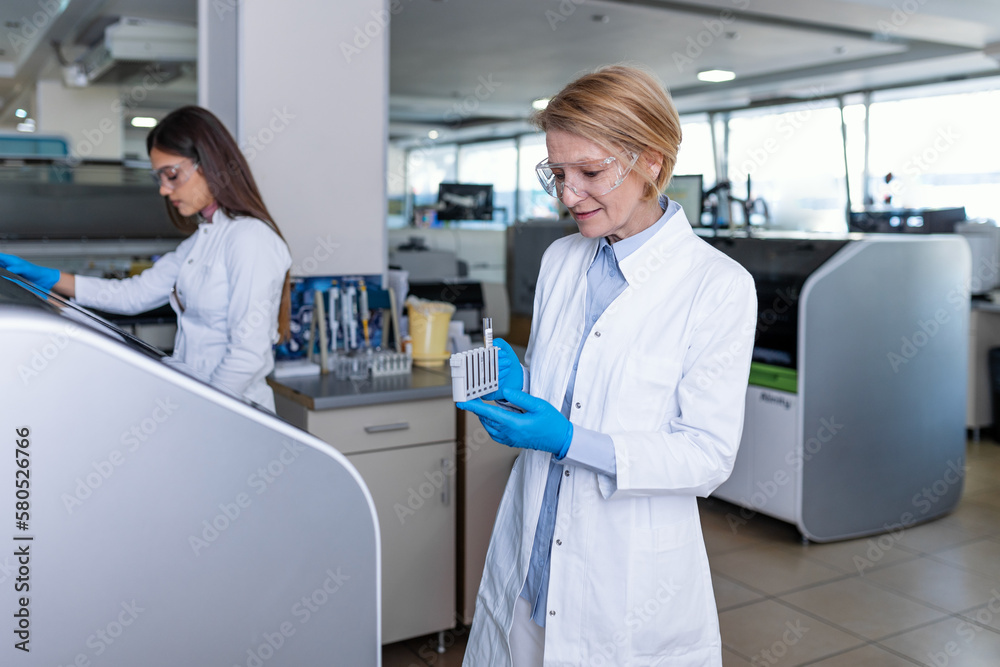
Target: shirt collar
[627, 246]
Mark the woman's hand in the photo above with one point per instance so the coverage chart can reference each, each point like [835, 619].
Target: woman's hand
[42, 276]
[540, 426]
[511, 375]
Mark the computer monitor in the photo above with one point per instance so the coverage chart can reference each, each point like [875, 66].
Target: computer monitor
[465, 201]
[686, 190]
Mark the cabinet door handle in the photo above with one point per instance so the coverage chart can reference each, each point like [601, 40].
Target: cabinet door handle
[446, 489]
[382, 428]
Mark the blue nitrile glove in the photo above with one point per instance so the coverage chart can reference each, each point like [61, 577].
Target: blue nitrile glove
[540, 426]
[42, 276]
[511, 375]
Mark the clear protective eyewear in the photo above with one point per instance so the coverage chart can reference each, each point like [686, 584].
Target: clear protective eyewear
[589, 178]
[170, 177]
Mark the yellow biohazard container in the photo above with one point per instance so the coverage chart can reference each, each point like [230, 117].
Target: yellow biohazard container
[429, 322]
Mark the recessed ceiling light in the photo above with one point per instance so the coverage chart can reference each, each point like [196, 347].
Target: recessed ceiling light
[21, 113]
[143, 121]
[716, 75]
[433, 134]
[540, 103]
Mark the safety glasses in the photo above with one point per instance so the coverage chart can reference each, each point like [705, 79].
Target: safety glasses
[590, 178]
[173, 176]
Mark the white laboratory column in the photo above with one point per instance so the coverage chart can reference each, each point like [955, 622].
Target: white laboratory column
[311, 115]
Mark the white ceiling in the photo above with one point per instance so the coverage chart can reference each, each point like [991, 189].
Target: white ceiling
[459, 66]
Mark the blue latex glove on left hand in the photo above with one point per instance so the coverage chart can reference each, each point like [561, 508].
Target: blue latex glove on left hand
[42, 276]
[540, 426]
[509, 371]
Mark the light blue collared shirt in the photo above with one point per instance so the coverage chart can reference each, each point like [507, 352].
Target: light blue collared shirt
[590, 449]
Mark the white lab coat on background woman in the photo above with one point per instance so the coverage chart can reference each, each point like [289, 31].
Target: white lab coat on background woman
[664, 373]
[224, 282]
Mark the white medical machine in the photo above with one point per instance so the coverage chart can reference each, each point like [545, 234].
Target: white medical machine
[855, 414]
[161, 522]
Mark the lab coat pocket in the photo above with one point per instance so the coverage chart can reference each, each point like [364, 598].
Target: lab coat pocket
[669, 609]
[648, 384]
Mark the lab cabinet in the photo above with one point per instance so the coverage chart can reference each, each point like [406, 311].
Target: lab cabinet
[413, 490]
[406, 453]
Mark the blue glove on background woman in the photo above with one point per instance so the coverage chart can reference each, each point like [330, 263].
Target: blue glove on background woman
[42, 276]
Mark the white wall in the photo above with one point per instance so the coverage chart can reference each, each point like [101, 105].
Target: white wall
[89, 118]
[313, 119]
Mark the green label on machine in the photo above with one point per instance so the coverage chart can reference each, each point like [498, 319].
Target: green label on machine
[774, 377]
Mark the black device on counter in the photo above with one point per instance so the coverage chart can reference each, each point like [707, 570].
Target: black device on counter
[907, 220]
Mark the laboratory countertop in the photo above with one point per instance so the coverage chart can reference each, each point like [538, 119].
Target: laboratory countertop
[328, 392]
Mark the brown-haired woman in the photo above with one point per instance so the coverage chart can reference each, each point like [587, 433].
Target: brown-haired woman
[631, 405]
[227, 282]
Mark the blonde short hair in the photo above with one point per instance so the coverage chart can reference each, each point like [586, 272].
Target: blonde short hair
[620, 108]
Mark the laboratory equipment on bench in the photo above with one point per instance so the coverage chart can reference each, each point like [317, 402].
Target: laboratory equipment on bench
[179, 509]
[475, 372]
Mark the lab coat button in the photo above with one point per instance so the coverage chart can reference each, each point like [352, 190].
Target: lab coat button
[559, 543]
[567, 473]
[578, 406]
[597, 333]
[190, 261]
[552, 613]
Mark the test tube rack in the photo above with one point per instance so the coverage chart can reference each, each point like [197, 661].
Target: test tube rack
[476, 372]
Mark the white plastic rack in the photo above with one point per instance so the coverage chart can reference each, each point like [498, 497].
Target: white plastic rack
[476, 372]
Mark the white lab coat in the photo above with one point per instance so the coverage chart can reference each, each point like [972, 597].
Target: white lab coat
[228, 276]
[664, 373]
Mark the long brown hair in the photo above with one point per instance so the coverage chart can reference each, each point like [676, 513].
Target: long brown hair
[197, 134]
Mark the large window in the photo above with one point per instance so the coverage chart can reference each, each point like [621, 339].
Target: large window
[936, 142]
[495, 163]
[942, 151]
[794, 160]
[534, 203]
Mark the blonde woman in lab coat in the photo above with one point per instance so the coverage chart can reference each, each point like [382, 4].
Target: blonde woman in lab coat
[227, 282]
[632, 402]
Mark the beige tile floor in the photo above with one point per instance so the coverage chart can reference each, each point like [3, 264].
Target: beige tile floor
[927, 596]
